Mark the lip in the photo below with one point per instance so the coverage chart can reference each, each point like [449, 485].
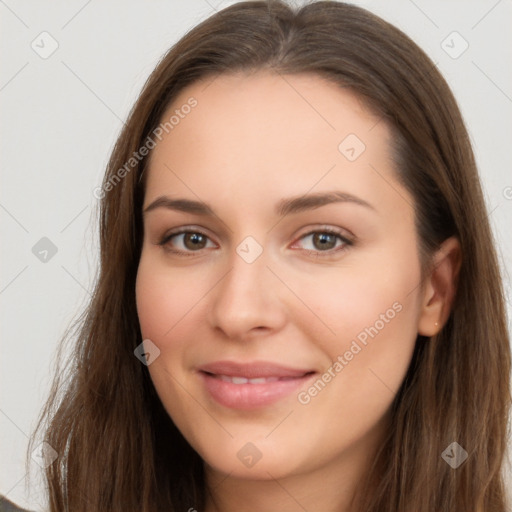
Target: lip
[274, 383]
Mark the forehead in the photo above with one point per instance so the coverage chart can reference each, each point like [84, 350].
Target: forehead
[266, 101]
[261, 132]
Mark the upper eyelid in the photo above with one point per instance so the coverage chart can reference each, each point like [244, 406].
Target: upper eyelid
[316, 227]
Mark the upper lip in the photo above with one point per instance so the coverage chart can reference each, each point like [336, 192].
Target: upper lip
[252, 370]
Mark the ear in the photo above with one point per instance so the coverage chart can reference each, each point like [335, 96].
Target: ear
[439, 288]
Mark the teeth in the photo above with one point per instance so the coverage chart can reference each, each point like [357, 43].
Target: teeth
[243, 380]
[260, 380]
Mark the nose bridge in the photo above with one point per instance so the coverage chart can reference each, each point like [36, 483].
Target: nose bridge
[244, 287]
[245, 298]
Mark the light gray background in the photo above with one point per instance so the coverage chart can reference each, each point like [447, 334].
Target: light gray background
[61, 116]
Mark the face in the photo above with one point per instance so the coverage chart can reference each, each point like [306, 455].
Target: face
[279, 277]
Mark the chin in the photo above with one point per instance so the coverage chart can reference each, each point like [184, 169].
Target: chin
[263, 459]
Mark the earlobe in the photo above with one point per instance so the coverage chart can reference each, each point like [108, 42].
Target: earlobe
[440, 287]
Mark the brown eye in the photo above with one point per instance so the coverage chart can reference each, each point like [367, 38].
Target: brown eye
[194, 240]
[186, 242]
[324, 241]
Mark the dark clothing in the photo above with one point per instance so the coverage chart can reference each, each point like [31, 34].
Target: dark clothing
[9, 506]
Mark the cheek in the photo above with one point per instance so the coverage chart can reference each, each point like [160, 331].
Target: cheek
[166, 306]
[374, 295]
[373, 310]
[366, 308]
[163, 300]
[353, 302]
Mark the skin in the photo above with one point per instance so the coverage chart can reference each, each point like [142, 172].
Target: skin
[251, 141]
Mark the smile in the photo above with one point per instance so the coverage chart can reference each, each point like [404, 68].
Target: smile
[248, 386]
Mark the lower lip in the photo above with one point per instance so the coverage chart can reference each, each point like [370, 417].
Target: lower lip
[251, 396]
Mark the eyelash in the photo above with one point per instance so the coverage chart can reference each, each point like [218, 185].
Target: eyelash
[323, 254]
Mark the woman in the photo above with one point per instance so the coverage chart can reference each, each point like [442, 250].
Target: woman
[299, 304]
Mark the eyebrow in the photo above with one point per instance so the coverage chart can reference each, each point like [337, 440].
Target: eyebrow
[284, 207]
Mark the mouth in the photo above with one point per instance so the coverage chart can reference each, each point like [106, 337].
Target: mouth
[248, 386]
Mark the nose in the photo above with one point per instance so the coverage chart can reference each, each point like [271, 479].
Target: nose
[247, 301]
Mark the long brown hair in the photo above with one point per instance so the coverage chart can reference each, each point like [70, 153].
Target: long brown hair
[119, 450]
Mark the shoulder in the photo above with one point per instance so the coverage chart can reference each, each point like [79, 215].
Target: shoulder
[9, 506]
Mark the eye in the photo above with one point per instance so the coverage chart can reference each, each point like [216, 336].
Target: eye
[187, 241]
[324, 241]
